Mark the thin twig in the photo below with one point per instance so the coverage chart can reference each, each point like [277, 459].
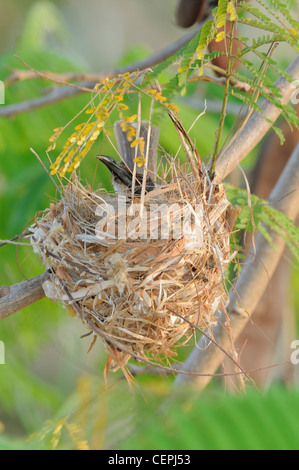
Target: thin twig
[224, 103]
[62, 93]
[211, 340]
[19, 296]
[256, 127]
[243, 86]
[56, 80]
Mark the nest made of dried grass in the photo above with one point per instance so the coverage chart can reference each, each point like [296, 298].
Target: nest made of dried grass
[133, 292]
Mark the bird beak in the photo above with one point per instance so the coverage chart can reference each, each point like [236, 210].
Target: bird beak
[103, 158]
[109, 162]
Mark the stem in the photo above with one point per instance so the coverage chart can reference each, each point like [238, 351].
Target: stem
[224, 105]
[16, 297]
[256, 127]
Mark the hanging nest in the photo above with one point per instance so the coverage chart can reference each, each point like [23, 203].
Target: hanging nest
[133, 290]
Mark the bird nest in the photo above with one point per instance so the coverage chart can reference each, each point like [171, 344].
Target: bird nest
[133, 275]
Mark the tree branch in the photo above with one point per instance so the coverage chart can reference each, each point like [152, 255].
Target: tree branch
[256, 128]
[16, 297]
[54, 96]
[251, 284]
[62, 93]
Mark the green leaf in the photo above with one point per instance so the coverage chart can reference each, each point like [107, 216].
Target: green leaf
[263, 213]
[218, 421]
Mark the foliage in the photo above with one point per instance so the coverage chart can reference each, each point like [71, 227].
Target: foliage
[278, 26]
[213, 421]
[45, 356]
[31, 388]
[44, 387]
[257, 214]
[110, 96]
[221, 422]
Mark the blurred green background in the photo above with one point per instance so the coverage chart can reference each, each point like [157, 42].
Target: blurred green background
[52, 393]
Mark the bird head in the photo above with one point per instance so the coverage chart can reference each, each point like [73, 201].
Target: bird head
[122, 176]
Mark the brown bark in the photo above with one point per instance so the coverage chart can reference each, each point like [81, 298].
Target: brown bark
[14, 298]
[268, 335]
[253, 281]
[189, 12]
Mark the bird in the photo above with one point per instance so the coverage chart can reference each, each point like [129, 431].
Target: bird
[122, 177]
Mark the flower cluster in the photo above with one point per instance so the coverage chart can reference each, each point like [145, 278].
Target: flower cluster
[110, 93]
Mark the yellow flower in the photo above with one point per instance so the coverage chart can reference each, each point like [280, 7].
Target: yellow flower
[95, 135]
[123, 106]
[131, 119]
[152, 92]
[220, 36]
[90, 110]
[231, 10]
[139, 161]
[134, 143]
[173, 107]
[82, 445]
[200, 54]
